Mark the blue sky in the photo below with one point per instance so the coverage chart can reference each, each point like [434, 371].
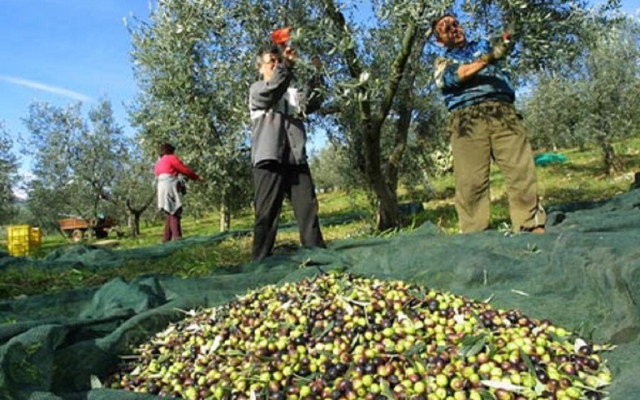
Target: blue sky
[64, 51]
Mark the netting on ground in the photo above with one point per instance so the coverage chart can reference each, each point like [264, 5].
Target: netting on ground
[584, 274]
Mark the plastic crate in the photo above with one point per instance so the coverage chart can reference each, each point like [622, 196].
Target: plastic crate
[18, 240]
[35, 238]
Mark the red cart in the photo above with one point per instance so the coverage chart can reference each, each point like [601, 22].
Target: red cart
[78, 228]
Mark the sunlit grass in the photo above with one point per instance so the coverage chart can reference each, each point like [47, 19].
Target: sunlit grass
[342, 215]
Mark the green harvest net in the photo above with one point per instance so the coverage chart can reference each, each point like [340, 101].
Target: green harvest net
[584, 275]
[544, 159]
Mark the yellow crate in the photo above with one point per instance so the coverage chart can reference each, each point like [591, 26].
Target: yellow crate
[18, 240]
[35, 238]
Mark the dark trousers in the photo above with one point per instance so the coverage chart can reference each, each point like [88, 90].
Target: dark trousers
[172, 227]
[272, 183]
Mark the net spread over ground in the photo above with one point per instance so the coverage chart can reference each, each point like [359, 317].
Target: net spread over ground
[584, 275]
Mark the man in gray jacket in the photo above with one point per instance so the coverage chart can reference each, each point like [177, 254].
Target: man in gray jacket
[278, 152]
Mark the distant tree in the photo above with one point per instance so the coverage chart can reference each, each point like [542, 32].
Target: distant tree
[193, 78]
[594, 99]
[553, 113]
[8, 177]
[133, 190]
[195, 61]
[331, 169]
[611, 79]
[75, 163]
[428, 153]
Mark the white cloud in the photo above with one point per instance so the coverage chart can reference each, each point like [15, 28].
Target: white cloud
[46, 88]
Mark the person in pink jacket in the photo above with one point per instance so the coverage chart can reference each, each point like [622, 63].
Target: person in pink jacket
[169, 170]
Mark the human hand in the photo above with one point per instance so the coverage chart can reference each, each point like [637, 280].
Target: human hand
[500, 47]
[290, 55]
[487, 58]
[200, 179]
[316, 62]
[499, 50]
[506, 37]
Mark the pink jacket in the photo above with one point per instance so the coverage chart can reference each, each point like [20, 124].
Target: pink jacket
[171, 164]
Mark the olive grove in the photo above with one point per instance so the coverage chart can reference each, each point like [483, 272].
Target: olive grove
[195, 60]
[594, 100]
[83, 166]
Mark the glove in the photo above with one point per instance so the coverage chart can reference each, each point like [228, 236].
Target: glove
[500, 48]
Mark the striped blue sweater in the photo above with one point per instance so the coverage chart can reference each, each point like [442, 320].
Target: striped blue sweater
[490, 84]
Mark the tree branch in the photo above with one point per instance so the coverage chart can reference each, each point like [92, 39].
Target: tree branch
[351, 58]
[398, 67]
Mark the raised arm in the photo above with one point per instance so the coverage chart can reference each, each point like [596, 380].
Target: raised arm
[177, 164]
[450, 73]
[264, 95]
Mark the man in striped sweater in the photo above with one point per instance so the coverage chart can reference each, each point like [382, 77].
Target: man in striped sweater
[484, 125]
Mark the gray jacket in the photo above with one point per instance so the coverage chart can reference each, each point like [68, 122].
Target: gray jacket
[277, 117]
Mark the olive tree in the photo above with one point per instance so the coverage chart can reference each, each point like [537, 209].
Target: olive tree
[133, 190]
[379, 93]
[75, 161]
[193, 78]
[8, 177]
[194, 63]
[331, 170]
[553, 114]
[609, 85]
[594, 99]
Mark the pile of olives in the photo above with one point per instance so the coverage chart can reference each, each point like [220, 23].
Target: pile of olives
[340, 336]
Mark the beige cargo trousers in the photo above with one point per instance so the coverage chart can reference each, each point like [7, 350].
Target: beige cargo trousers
[480, 133]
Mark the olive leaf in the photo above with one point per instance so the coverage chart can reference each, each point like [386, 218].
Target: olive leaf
[415, 349]
[527, 361]
[502, 385]
[472, 345]
[487, 395]
[95, 382]
[329, 327]
[385, 390]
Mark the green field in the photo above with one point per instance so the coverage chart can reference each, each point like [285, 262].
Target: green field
[343, 215]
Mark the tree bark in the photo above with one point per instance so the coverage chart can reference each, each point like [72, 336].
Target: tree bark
[134, 222]
[135, 214]
[612, 162]
[225, 218]
[372, 122]
[405, 108]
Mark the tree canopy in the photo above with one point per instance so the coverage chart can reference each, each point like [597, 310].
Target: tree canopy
[194, 62]
[195, 59]
[8, 177]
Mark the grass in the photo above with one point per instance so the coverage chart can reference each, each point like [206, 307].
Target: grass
[343, 215]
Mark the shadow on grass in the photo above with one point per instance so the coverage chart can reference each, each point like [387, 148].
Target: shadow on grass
[631, 161]
[560, 197]
[444, 217]
[594, 169]
[343, 218]
[329, 219]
